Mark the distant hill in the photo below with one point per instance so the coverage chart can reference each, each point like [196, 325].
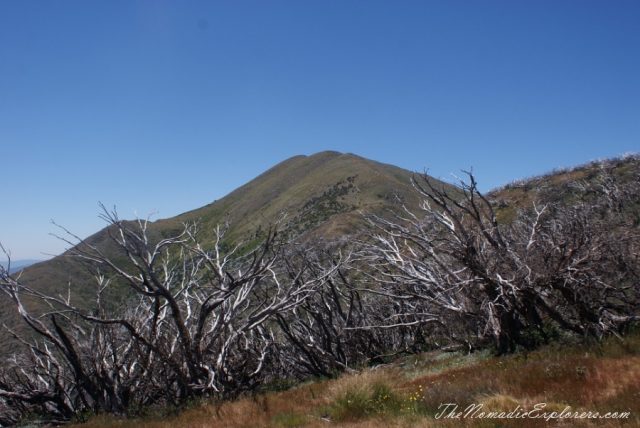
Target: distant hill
[18, 265]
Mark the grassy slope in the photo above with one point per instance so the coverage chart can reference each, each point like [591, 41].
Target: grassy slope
[560, 187]
[602, 377]
[288, 186]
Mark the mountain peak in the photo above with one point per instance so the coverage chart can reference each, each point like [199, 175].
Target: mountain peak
[310, 189]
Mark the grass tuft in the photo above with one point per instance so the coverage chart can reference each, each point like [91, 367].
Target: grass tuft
[289, 420]
[368, 394]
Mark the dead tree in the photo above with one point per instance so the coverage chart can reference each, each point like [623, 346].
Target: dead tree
[339, 326]
[198, 323]
[469, 276]
[322, 333]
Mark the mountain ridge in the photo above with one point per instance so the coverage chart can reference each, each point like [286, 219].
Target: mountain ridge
[289, 185]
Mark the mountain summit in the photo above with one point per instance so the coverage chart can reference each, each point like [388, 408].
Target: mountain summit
[324, 193]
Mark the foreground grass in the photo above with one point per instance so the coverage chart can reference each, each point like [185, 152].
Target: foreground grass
[602, 378]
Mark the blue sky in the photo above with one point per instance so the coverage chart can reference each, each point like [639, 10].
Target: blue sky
[169, 105]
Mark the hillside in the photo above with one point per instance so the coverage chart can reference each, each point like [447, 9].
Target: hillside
[566, 185]
[572, 385]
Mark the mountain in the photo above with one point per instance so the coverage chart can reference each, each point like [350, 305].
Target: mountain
[326, 194]
[18, 265]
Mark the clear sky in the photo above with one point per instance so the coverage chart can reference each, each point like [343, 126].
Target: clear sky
[169, 105]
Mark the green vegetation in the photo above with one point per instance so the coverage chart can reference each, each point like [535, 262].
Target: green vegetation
[320, 208]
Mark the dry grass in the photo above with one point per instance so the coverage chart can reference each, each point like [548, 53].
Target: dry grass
[372, 393]
[361, 383]
[601, 379]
